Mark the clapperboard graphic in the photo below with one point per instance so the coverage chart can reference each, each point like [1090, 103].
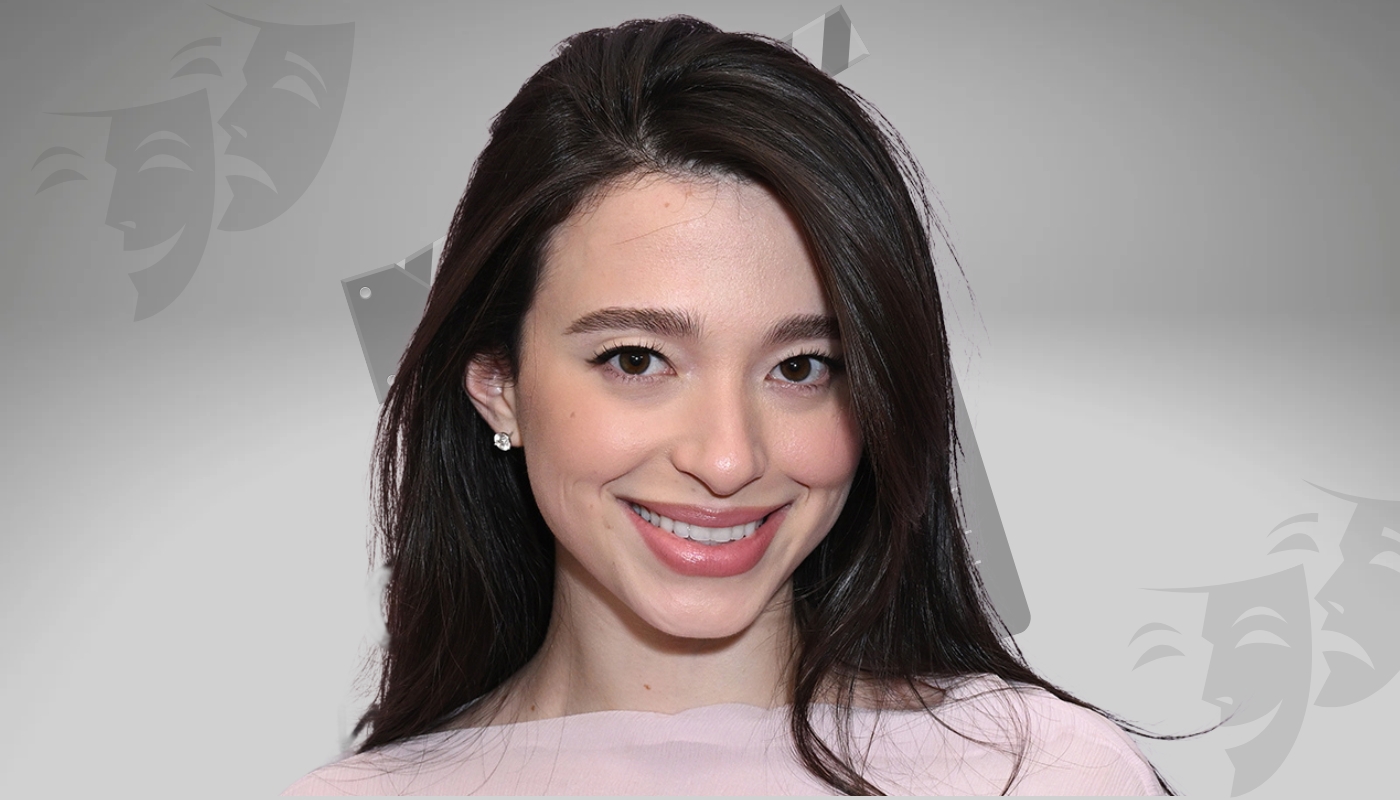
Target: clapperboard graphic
[386, 304]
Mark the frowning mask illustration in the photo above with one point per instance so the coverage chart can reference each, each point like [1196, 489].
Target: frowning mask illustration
[164, 187]
[285, 118]
[1362, 600]
[1261, 665]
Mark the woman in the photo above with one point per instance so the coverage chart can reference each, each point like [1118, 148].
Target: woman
[666, 475]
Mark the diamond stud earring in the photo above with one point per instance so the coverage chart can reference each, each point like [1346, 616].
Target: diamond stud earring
[502, 441]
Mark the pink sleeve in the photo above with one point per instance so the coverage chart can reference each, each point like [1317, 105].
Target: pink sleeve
[312, 786]
[1078, 752]
[351, 776]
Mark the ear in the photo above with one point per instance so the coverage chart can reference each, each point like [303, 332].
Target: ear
[491, 387]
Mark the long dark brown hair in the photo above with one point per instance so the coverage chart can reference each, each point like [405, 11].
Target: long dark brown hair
[890, 597]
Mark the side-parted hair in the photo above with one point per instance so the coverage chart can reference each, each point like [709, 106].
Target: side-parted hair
[890, 597]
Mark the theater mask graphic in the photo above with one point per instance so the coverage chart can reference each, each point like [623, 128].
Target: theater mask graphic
[1362, 601]
[281, 125]
[163, 154]
[1260, 666]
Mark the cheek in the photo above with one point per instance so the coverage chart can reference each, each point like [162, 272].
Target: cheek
[822, 452]
[574, 435]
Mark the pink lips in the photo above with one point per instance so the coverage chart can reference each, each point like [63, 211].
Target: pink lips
[710, 518]
[708, 560]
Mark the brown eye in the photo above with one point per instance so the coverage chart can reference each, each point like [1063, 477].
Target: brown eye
[634, 362]
[796, 370]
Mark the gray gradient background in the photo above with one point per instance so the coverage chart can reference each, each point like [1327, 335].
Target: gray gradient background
[1178, 220]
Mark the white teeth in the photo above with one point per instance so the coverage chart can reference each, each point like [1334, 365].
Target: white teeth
[697, 533]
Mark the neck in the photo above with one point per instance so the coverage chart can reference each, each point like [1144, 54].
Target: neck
[599, 655]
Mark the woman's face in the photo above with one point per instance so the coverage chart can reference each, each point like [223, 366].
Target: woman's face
[680, 381]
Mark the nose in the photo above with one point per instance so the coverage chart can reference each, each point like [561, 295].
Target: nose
[721, 441]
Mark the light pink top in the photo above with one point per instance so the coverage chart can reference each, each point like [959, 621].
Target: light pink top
[744, 749]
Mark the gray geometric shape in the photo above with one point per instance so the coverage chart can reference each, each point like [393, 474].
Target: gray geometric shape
[386, 305]
[836, 42]
[829, 41]
[385, 320]
[986, 537]
[420, 265]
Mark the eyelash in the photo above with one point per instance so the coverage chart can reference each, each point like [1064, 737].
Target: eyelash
[834, 366]
[608, 354]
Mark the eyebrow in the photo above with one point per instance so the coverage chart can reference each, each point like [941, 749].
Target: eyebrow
[801, 327]
[660, 321]
[680, 325]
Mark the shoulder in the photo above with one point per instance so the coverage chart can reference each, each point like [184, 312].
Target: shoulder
[350, 775]
[330, 781]
[405, 767]
[1065, 749]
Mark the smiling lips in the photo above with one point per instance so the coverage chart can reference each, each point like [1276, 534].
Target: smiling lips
[696, 532]
[704, 542]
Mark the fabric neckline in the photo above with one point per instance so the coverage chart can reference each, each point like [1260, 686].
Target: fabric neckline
[955, 691]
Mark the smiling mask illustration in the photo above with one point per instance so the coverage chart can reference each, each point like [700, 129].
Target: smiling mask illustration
[164, 187]
[1261, 664]
[285, 118]
[1362, 599]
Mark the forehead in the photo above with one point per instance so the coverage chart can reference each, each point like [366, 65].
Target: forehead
[661, 239]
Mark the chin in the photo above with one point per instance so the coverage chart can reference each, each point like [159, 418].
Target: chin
[703, 628]
[701, 619]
